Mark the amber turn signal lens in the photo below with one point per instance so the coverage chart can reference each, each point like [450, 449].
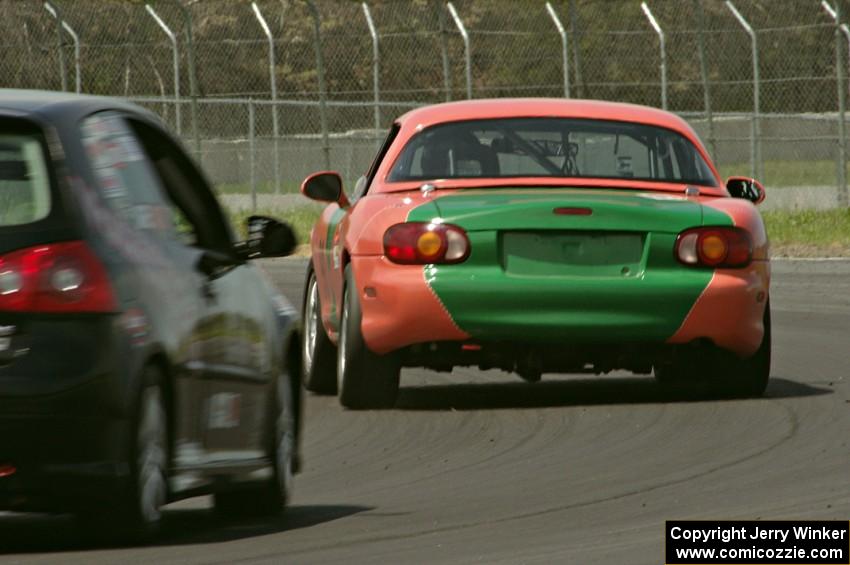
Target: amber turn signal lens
[420, 243]
[429, 244]
[714, 248]
[721, 246]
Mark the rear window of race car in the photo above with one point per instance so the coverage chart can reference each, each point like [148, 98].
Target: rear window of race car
[25, 195]
[551, 147]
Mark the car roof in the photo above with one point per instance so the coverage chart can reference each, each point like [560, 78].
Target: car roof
[542, 107]
[60, 106]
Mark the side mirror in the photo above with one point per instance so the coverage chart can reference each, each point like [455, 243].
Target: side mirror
[325, 186]
[746, 188]
[267, 237]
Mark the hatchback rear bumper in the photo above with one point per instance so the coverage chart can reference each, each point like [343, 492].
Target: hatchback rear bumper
[61, 463]
[63, 419]
[64, 448]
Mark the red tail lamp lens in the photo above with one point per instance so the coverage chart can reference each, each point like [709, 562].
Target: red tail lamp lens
[419, 243]
[59, 277]
[725, 247]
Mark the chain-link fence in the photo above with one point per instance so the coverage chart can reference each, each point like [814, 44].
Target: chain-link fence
[265, 92]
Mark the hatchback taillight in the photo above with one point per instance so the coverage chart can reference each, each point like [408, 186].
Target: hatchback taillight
[716, 247]
[58, 277]
[419, 243]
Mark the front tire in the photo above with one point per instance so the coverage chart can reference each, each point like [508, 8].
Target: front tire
[364, 379]
[318, 352]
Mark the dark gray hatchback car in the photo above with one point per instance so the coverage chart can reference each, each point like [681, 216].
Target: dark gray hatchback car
[143, 358]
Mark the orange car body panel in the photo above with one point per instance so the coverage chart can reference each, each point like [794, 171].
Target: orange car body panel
[731, 308]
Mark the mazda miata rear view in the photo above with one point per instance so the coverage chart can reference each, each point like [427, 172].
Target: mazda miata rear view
[537, 236]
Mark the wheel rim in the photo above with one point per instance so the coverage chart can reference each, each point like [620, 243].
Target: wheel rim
[151, 456]
[342, 352]
[312, 324]
[286, 440]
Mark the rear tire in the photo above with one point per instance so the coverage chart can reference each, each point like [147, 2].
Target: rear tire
[136, 514]
[269, 497]
[747, 378]
[724, 375]
[318, 352]
[364, 379]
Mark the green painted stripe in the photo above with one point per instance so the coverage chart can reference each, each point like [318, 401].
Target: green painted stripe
[539, 294]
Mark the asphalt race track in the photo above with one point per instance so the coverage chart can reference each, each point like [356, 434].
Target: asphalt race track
[481, 467]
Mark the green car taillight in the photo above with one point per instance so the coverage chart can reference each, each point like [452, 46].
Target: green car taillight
[714, 247]
[420, 243]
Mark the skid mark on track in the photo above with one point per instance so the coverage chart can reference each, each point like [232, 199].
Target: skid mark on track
[793, 427]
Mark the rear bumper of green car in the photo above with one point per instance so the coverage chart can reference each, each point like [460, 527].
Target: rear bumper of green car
[641, 310]
[606, 277]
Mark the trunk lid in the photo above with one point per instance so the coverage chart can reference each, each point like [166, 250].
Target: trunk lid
[569, 232]
[534, 209]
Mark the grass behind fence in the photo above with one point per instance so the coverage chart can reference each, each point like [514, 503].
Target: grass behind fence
[809, 232]
[301, 219]
[781, 174]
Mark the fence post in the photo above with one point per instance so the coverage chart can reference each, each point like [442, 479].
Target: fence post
[193, 77]
[444, 50]
[467, 55]
[663, 66]
[703, 67]
[576, 50]
[78, 80]
[842, 107]
[376, 70]
[564, 47]
[63, 73]
[273, 83]
[842, 100]
[844, 28]
[252, 154]
[320, 71]
[175, 59]
[755, 134]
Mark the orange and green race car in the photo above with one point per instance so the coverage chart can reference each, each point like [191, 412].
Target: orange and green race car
[537, 236]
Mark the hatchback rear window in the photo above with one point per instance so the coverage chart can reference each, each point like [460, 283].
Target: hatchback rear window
[24, 180]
